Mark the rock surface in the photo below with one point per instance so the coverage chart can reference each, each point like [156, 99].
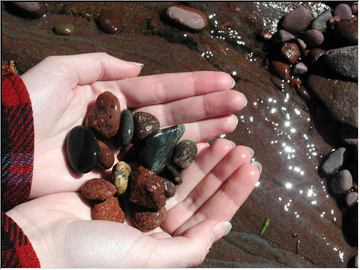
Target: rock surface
[341, 182]
[147, 220]
[343, 61]
[169, 188]
[300, 68]
[126, 129]
[98, 189]
[313, 38]
[291, 52]
[346, 33]
[30, 9]
[334, 161]
[145, 124]
[121, 172]
[108, 210]
[297, 21]
[281, 69]
[320, 22]
[188, 17]
[64, 29]
[343, 11]
[351, 198]
[106, 156]
[109, 21]
[184, 153]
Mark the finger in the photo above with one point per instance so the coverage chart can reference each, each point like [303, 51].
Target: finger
[201, 147]
[197, 108]
[228, 199]
[156, 89]
[183, 211]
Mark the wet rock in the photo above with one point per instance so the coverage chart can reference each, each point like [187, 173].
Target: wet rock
[145, 124]
[281, 69]
[351, 198]
[108, 210]
[121, 172]
[343, 11]
[343, 61]
[175, 175]
[291, 52]
[97, 189]
[341, 182]
[265, 35]
[30, 9]
[340, 97]
[320, 22]
[302, 92]
[295, 82]
[350, 225]
[127, 153]
[349, 135]
[334, 161]
[313, 38]
[314, 55]
[354, 9]
[64, 29]
[282, 36]
[146, 189]
[147, 220]
[104, 118]
[82, 149]
[109, 21]
[106, 156]
[188, 17]
[158, 148]
[301, 43]
[184, 153]
[300, 68]
[346, 33]
[126, 129]
[297, 20]
[169, 188]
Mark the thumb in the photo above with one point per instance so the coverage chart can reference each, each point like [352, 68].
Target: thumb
[191, 248]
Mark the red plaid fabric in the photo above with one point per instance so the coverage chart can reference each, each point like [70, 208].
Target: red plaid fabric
[17, 145]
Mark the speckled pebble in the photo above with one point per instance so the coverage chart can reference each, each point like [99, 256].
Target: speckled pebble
[121, 172]
[290, 52]
[351, 198]
[184, 153]
[334, 161]
[341, 182]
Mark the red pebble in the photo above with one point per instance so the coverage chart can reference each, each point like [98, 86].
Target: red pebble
[108, 210]
[98, 189]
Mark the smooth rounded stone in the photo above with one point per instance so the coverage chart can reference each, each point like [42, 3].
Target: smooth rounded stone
[282, 36]
[104, 118]
[351, 198]
[188, 17]
[64, 29]
[314, 55]
[98, 189]
[169, 188]
[106, 156]
[184, 153]
[349, 135]
[320, 22]
[344, 61]
[109, 21]
[302, 92]
[301, 43]
[145, 124]
[291, 52]
[341, 182]
[157, 149]
[82, 149]
[176, 176]
[346, 33]
[297, 21]
[354, 9]
[334, 161]
[121, 172]
[265, 35]
[281, 69]
[300, 68]
[340, 97]
[30, 9]
[313, 38]
[343, 11]
[108, 210]
[126, 129]
[147, 220]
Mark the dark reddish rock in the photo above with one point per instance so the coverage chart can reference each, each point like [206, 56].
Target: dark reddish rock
[109, 21]
[320, 22]
[291, 52]
[334, 161]
[295, 82]
[106, 156]
[302, 92]
[301, 43]
[104, 118]
[30, 9]
[147, 220]
[349, 135]
[145, 124]
[351, 198]
[281, 69]
[98, 189]
[108, 210]
[314, 55]
[146, 189]
[184, 153]
[341, 182]
[300, 68]
[346, 33]
[265, 35]
[313, 38]
[188, 17]
[169, 188]
[124, 151]
[344, 61]
[175, 175]
[297, 20]
[343, 11]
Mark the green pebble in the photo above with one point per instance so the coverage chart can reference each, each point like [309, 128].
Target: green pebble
[64, 29]
[121, 172]
[126, 130]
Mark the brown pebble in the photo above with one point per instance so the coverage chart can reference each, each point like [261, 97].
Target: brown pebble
[188, 17]
[169, 188]
[108, 210]
[145, 124]
[98, 189]
[109, 21]
[295, 82]
[281, 69]
[291, 52]
[123, 152]
[147, 220]
[106, 157]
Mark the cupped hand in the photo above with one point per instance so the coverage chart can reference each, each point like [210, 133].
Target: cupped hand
[61, 88]
[214, 187]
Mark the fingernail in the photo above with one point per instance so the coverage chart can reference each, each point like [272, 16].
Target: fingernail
[245, 99]
[257, 165]
[233, 84]
[139, 64]
[251, 151]
[221, 229]
[234, 144]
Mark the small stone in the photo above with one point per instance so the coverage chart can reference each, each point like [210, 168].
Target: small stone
[300, 68]
[126, 129]
[302, 92]
[344, 61]
[184, 153]
[334, 161]
[354, 9]
[108, 210]
[106, 156]
[346, 33]
[109, 21]
[320, 22]
[295, 82]
[64, 29]
[30, 9]
[301, 43]
[97, 189]
[343, 11]
[349, 135]
[281, 69]
[169, 188]
[147, 220]
[282, 36]
[291, 52]
[314, 55]
[313, 38]
[157, 149]
[82, 149]
[121, 172]
[176, 176]
[341, 182]
[105, 117]
[188, 17]
[146, 189]
[351, 198]
[297, 20]
[145, 124]
[265, 35]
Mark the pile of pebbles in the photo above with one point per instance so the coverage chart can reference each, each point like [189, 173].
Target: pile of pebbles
[149, 164]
